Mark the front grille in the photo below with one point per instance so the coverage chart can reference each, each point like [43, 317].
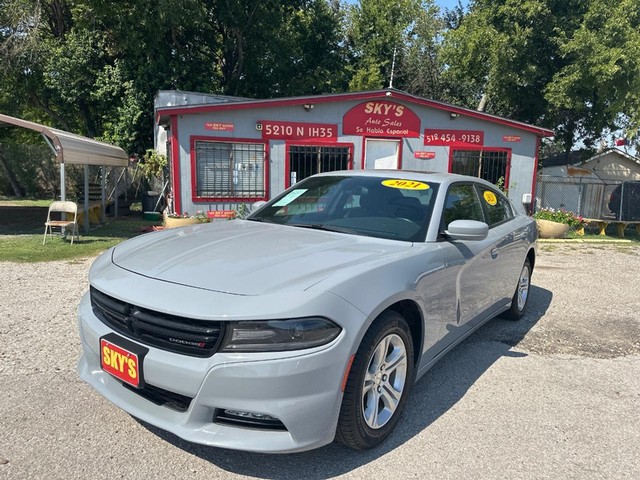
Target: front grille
[197, 338]
[162, 397]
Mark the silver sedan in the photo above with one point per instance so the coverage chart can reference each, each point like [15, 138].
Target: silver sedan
[309, 321]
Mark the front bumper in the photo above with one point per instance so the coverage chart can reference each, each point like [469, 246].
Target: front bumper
[301, 389]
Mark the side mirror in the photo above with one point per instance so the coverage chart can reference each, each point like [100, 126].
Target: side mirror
[257, 205]
[467, 230]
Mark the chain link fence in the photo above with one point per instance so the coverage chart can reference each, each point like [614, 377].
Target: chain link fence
[589, 197]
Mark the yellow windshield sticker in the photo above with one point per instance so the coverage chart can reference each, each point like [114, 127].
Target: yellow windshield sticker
[490, 197]
[405, 184]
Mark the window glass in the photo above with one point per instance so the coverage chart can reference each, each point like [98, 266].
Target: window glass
[461, 203]
[381, 207]
[496, 205]
[229, 170]
[307, 160]
[490, 165]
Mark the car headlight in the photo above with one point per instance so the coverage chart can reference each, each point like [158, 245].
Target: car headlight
[278, 335]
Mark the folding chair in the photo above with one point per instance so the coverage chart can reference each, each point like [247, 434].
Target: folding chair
[62, 208]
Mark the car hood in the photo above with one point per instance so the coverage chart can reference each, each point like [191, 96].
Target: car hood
[249, 258]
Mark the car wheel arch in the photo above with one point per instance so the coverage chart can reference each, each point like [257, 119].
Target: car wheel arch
[531, 255]
[413, 315]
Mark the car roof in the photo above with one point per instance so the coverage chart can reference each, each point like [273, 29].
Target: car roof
[434, 177]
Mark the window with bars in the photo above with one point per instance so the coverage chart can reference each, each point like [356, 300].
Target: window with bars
[229, 170]
[490, 165]
[307, 160]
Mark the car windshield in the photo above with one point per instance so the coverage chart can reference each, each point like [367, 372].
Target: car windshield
[382, 207]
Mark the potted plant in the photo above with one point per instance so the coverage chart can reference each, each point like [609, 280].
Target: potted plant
[554, 223]
[174, 220]
[153, 170]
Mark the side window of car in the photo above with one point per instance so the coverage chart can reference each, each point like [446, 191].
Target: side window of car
[496, 205]
[461, 203]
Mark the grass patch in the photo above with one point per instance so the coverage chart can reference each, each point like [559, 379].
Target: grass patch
[24, 202]
[29, 248]
[629, 235]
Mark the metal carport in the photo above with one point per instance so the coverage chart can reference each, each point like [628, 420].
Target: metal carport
[70, 148]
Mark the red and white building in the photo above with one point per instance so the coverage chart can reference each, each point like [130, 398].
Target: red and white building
[226, 151]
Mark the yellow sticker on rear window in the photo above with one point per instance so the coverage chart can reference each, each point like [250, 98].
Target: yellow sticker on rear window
[490, 197]
[405, 184]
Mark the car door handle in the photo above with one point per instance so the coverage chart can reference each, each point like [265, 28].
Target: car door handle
[494, 253]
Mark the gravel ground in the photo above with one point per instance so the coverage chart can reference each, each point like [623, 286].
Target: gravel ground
[555, 395]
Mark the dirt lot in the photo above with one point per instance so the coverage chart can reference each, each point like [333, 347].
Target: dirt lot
[555, 395]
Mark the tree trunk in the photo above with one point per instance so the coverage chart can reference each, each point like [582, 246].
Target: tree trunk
[17, 189]
[483, 102]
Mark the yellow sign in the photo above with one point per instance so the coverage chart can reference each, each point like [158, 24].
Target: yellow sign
[490, 197]
[405, 184]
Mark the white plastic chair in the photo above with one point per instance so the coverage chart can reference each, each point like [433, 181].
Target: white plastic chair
[62, 208]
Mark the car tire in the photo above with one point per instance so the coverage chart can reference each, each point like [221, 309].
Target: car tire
[520, 298]
[379, 382]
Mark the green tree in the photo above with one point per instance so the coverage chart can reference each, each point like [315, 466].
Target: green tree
[419, 69]
[283, 49]
[598, 89]
[95, 66]
[378, 31]
[568, 65]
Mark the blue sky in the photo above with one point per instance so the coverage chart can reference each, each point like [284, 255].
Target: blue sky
[450, 3]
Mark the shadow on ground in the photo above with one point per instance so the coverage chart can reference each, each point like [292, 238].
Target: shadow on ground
[22, 220]
[433, 395]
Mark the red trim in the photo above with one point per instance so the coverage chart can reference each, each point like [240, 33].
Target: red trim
[341, 97]
[175, 166]
[287, 167]
[507, 173]
[535, 176]
[319, 142]
[192, 141]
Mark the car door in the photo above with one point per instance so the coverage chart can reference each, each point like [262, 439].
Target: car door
[509, 246]
[471, 266]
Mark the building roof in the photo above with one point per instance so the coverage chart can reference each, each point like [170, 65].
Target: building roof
[222, 103]
[613, 150]
[578, 158]
[572, 158]
[71, 148]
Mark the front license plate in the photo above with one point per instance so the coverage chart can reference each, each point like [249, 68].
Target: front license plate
[123, 359]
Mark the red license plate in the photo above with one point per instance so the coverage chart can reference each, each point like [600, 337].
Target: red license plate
[122, 359]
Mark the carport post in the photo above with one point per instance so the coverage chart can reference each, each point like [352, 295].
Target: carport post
[115, 195]
[63, 193]
[86, 198]
[103, 201]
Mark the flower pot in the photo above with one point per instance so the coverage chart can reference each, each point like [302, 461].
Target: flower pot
[549, 229]
[179, 222]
